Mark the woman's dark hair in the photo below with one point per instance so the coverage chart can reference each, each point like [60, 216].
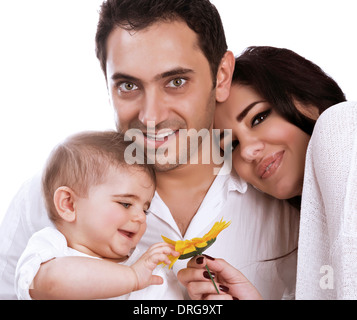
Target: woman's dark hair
[281, 76]
[200, 15]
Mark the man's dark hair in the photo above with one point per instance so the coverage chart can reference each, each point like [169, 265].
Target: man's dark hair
[200, 15]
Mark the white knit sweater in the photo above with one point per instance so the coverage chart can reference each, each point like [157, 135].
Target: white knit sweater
[327, 253]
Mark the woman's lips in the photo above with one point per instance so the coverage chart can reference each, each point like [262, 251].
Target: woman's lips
[269, 165]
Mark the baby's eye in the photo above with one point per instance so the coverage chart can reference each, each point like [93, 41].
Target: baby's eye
[125, 205]
[147, 212]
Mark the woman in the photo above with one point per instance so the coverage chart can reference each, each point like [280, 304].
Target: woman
[275, 100]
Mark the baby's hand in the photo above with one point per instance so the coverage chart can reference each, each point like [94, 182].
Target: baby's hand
[146, 264]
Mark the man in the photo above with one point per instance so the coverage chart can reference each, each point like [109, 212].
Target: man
[166, 64]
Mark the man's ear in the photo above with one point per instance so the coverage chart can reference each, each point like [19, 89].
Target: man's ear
[224, 76]
[64, 200]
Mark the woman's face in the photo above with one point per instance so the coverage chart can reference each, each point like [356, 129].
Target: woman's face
[270, 151]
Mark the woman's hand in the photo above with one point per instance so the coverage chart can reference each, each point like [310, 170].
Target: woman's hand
[231, 283]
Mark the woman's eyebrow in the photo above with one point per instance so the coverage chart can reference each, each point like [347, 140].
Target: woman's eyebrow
[244, 113]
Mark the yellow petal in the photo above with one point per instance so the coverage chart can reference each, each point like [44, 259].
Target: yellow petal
[181, 245]
[189, 249]
[190, 246]
[201, 244]
[216, 229]
[173, 262]
[169, 241]
[172, 259]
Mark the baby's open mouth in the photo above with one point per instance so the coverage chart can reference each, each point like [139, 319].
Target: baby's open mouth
[127, 233]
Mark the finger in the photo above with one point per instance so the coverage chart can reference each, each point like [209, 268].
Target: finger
[188, 275]
[160, 246]
[225, 270]
[198, 283]
[156, 280]
[163, 248]
[218, 297]
[239, 286]
[198, 262]
[158, 258]
[199, 290]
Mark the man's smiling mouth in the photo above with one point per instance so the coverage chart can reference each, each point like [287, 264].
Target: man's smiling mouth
[161, 135]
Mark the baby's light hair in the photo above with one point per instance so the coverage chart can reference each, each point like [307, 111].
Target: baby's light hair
[82, 161]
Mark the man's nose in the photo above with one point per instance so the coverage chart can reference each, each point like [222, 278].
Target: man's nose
[153, 107]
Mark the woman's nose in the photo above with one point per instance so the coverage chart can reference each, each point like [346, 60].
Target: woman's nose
[251, 151]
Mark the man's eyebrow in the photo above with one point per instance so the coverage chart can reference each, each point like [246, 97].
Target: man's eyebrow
[173, 72]
[122, 76]
[244, 113]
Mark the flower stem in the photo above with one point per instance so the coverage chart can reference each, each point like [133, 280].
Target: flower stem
[210, 275]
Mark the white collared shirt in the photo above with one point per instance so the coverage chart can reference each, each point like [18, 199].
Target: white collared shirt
[261, 228]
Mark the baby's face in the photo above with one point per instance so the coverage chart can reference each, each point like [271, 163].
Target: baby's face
[112, 219]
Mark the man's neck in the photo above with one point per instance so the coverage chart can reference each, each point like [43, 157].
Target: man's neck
[183, 190]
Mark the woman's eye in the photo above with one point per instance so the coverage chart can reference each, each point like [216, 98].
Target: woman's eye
[260, 117]
[227, 144]
[177, 83]
[127, 87]
[224, 147]
[235, 143]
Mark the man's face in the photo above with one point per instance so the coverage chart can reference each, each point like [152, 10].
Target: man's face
[160, 81]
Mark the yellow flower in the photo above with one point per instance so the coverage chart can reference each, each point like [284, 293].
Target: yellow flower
[195, 246]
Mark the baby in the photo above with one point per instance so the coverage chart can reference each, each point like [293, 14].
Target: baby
[98, 204]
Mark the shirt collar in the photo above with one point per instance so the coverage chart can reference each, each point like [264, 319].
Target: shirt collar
[234, 183]
[216, 196]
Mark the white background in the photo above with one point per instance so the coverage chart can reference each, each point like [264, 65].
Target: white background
[51, 84]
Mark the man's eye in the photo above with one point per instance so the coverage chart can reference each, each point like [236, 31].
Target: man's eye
[177, 83]
[127, 87]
